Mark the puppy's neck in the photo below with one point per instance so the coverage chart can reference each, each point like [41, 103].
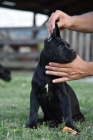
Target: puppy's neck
[43, 61]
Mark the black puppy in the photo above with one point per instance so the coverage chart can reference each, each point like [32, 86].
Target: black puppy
[5, 73]
[58, 101]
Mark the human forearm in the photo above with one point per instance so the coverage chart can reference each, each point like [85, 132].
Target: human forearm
[82, 23]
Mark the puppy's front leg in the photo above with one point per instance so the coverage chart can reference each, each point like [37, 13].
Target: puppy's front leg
[33, 117]
[66, 109]
[67, 115]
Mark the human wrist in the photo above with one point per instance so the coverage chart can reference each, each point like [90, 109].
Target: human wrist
[73, 24]
[69, 23]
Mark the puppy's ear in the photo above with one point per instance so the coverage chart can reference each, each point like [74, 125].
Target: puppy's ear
[56, 31]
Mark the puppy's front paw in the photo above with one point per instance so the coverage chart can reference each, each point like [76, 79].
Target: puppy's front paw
[70, 130]
[32, 126]
[69, 127]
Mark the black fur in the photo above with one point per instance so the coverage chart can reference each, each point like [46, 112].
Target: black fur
[5, 73]
[58, 101]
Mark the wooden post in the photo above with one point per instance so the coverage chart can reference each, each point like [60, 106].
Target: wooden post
[67, 37]
[74, 40]
[81, 44]
[34, 20]
[87, 47]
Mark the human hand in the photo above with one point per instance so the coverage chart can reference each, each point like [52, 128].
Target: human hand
[63, 21]
[67, 72]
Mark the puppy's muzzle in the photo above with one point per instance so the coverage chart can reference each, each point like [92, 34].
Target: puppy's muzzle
[71, 54]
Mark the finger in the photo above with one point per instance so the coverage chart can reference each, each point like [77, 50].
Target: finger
[56, 73]
[52, 21]
[49, 32]
[60, 65]
[53, 18]
[59, 80]
[59, 24]
[57, 69]
[56, 17]
[48, 28]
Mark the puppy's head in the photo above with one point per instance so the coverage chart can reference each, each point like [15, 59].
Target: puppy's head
[5, 73]
[58, 50]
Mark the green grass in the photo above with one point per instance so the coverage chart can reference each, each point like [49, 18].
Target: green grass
[14, 111]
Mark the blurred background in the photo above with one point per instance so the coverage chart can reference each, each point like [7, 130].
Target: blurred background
[23, 30]
[22, 33]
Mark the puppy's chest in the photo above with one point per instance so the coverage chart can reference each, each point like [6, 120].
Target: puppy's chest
[46, 93]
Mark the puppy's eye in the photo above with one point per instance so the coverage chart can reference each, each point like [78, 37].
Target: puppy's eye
[60, 46]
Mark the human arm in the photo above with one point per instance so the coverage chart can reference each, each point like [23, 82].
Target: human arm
[81, 23]
[71, 71]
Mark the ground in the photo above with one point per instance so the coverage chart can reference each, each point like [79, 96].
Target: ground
[14, 111]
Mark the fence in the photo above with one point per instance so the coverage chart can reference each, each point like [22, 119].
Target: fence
[81, 42]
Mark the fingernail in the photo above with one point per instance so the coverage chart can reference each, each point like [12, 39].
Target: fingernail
[50, 63]
[46, 72]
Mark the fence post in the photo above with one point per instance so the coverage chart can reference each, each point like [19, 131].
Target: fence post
[81, 44]
[87, 47]
[67, 36]
[74, 40]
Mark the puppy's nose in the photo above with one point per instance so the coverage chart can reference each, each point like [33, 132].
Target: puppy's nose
[71, 54]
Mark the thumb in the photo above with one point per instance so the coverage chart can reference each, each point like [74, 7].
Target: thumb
[61, 24]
